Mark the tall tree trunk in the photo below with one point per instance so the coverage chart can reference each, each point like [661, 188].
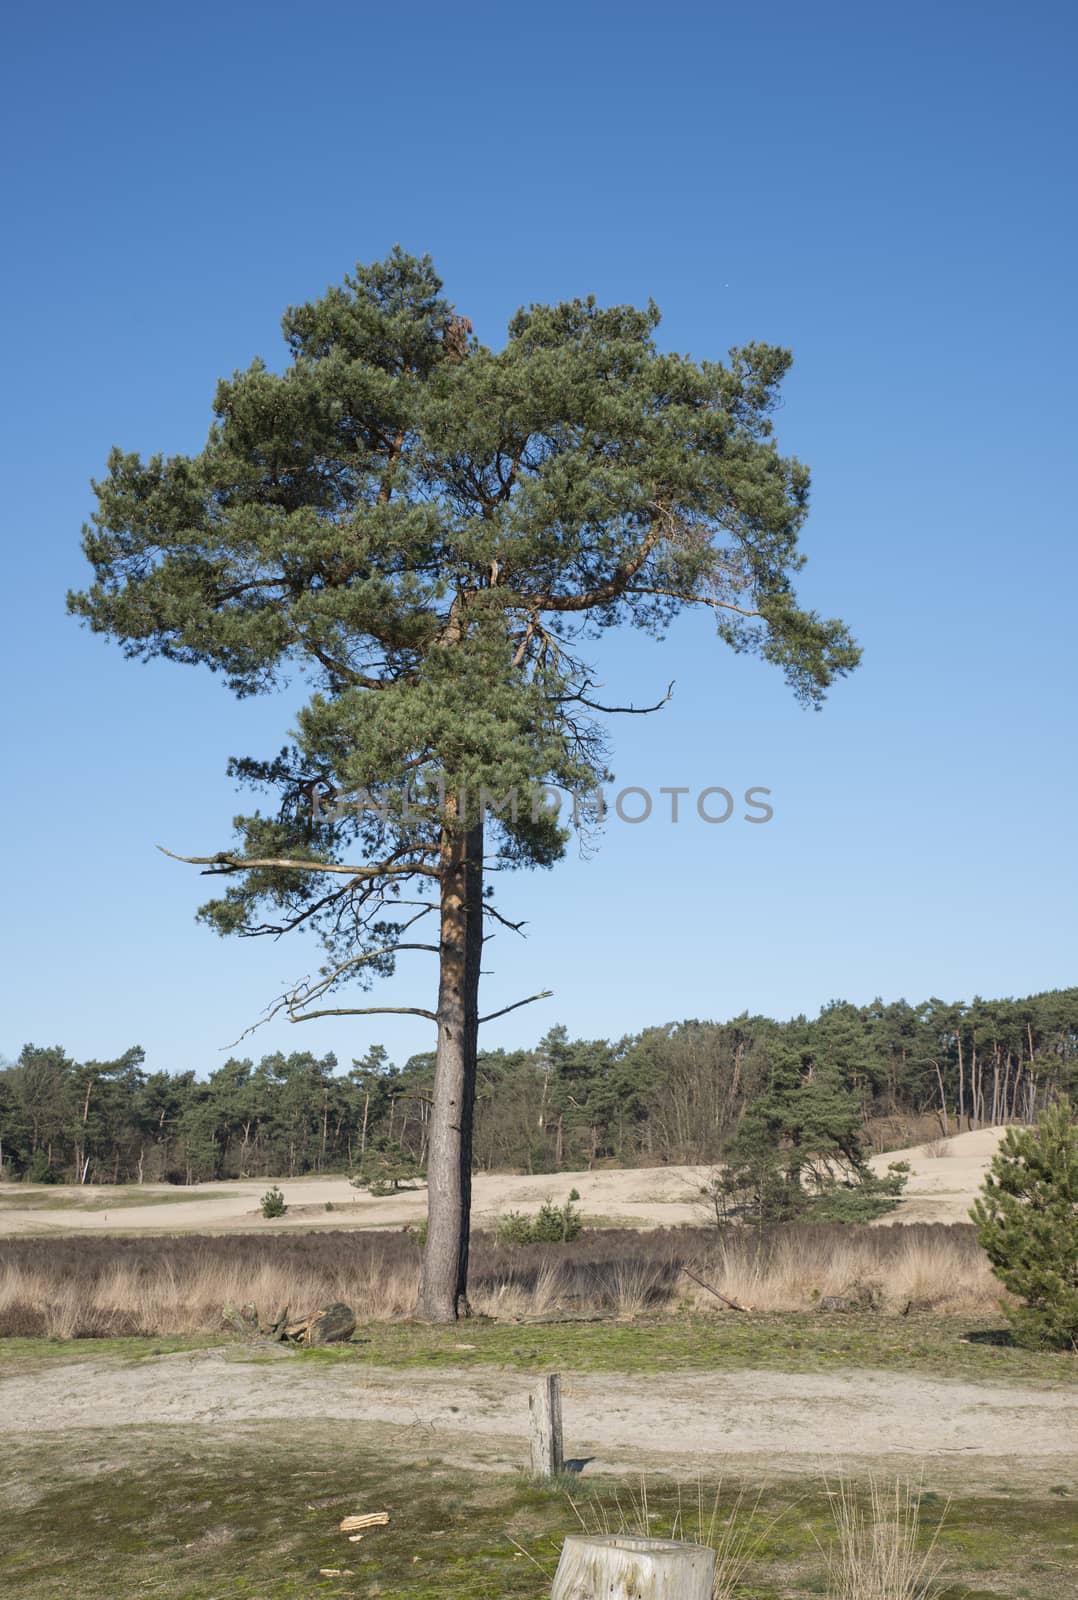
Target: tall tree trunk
[85, 1119]
[443, 1288]
[943, 1101]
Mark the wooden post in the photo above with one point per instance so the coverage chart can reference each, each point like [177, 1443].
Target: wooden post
[546, 1438]
[594, 1567]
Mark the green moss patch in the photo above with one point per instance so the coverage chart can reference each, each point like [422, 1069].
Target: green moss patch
[784, 1342]
[205, 1514]
[942, 1347]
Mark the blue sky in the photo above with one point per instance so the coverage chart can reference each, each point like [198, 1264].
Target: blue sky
[889, 192]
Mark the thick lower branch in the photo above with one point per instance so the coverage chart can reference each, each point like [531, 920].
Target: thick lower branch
[224, 861]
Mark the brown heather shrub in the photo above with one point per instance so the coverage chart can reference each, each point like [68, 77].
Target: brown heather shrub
[87, 1287]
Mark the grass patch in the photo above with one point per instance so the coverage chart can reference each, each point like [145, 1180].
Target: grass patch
[204, 1514]
[41, 1352]
[936, 1346]
[940, 1347]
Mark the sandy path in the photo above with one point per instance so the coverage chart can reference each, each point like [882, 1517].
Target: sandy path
[939, 1190]
[787, 1422]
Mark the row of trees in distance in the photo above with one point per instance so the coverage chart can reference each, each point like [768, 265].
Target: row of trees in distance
[680, 1093]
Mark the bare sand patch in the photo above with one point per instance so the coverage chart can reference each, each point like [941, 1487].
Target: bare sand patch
[784, 1422]
[940, 1189]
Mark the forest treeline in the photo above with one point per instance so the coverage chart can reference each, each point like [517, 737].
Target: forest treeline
[675, 1093]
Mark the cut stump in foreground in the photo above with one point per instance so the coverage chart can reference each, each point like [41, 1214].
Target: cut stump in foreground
[595, 1567]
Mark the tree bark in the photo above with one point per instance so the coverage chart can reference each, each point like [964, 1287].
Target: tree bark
[943, 1100]
[443, 1288]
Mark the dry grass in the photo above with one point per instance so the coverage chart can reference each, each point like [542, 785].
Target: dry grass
[934, 1267]
[735, 1527]
[879, 1549]
[936, 1149]
[70, 1288]
[879, 1552]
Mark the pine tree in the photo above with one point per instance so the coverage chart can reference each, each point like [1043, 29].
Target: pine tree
[384, 1167]
[432, 529]
[1027, 1220]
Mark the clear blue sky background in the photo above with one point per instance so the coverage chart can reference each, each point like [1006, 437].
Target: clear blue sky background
[889, 191]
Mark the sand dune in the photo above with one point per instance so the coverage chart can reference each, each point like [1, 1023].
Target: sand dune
[940, 1189]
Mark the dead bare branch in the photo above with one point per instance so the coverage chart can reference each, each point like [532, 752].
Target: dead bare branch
[545, 994]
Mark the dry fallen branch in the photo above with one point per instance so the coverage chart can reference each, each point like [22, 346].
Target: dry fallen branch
[370, 1519]
[689, 1273]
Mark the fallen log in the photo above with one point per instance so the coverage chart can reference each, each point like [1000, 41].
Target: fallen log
[332, 1324]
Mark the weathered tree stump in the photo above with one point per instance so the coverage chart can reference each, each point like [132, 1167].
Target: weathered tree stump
[244, 1320]
[547, 1450]
[276, 1328]
[332, 1324]
[601, 1566]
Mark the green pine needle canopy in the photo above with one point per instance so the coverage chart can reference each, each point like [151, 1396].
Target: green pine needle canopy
[434, 531]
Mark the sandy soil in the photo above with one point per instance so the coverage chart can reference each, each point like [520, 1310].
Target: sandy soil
[939, 1190]
[781, 1422]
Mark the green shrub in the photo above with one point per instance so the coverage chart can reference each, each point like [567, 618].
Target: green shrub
[551, 1224]
[419, 1232]
[861, 1198]
[766, 1187]
[272, 1203]
[513, 1227]
[1027, 1221]
[385, 1168]
[40, 1168]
